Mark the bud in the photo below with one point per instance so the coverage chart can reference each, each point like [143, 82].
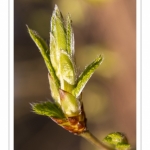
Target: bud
[66, 87]
[61, 47]
[70, 105]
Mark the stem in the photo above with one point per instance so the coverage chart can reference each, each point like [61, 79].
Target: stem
[92, 139]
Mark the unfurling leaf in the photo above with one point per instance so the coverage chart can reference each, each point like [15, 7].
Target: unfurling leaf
[58, 30]
[54, 89]
[61, 48]
[117, 139]
[85, 76]
[44, 50]
[70, 36]
[48, 109]
[67, 70]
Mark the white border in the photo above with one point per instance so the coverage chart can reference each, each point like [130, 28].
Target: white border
[11, 74]
[6, 75]
[4, 87]
[138, 75]
[145, 38]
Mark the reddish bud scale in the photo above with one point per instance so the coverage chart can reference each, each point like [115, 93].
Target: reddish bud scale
[74, 125]
[73, 120]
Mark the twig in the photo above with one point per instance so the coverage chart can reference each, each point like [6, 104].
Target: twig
[92, 139]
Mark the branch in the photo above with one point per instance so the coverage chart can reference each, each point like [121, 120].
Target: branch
[92, 139]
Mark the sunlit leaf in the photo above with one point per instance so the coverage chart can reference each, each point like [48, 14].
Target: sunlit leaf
[67, 71]
[117, 139]
[58, 30]
[70, 36]
[44, 50]
[86, 75]
[54, 89]
[48, 109]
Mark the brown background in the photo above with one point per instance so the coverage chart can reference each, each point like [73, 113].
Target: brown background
[107, 28]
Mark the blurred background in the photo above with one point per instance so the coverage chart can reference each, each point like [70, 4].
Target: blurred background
[105, 27]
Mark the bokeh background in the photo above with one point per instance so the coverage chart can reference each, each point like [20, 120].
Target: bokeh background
[105, 27]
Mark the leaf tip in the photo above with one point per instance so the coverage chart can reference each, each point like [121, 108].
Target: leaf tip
[56, 7]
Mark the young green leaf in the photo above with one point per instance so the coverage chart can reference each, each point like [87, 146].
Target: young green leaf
[54, 89]
[48, 109]
[54, 53]
[40, 43]
[70, 36]
[44, 50]
[115, 138]
[58, 30]
[67, 71]
[85, 76]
